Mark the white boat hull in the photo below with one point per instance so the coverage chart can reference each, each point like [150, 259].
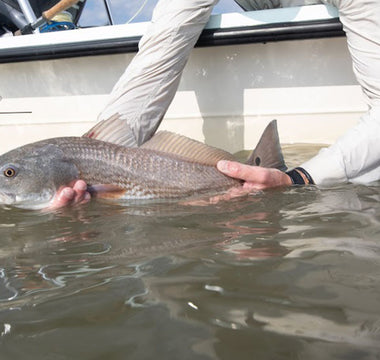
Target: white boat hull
[226, 97]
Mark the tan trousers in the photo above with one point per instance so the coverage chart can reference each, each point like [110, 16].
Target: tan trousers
[144, 92]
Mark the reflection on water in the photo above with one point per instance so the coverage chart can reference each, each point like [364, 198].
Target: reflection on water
[282, 274]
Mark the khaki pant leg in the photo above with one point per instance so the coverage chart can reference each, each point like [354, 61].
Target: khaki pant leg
[144, 92]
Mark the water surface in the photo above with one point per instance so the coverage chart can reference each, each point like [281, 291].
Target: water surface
[281, 274]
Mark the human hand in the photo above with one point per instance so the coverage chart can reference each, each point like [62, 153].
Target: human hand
[254, 177]
[74, 194]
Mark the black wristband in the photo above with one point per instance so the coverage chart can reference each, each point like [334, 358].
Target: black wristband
[307, 175]
[297, 178]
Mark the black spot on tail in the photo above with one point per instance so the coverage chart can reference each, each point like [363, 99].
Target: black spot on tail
[257, 161]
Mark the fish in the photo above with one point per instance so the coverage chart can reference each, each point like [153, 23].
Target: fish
[168, 166]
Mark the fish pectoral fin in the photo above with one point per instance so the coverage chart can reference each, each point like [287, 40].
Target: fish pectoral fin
[106, 191]
[268, 152]
[186, 148]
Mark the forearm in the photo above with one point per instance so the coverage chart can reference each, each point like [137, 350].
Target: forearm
[355, 157]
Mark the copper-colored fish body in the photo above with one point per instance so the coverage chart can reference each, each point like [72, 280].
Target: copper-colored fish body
[167, 166]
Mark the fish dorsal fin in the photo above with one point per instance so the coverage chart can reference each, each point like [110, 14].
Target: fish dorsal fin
[268, 151]
[186, 148]
[114, 130]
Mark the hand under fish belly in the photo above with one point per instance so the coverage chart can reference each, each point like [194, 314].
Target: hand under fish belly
[169, 166]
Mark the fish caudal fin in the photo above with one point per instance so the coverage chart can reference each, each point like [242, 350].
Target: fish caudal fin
[268, 151]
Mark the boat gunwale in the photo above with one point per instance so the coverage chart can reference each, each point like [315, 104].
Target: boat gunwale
[210, 37]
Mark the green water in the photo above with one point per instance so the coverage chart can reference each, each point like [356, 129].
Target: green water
[282, 274]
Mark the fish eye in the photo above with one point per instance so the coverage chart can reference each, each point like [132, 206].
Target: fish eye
[9, 172]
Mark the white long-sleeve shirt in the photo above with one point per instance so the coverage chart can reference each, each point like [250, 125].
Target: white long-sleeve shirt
[355, 156]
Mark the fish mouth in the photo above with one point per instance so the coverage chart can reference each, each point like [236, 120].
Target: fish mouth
[21, 201]
[29, 200]
[7, 199]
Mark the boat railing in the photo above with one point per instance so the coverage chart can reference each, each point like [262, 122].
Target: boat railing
[295, 23]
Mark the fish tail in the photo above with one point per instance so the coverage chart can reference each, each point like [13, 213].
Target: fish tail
[268, 151]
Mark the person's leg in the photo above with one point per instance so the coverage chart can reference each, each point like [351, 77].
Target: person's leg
[361, 22]
[140, 98]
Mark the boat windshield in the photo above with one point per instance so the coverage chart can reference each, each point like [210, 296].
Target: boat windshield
[16, 15]
[100, 12]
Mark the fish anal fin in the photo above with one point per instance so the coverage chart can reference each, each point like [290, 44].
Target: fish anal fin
[106, 191]
[268, 151]
[186, 148]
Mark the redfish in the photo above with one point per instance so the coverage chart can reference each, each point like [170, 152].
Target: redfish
[168, 166]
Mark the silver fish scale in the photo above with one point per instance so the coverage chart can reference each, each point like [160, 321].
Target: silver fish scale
[141, 173]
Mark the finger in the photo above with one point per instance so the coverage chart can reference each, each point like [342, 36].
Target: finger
[230, 194]
[242, 171]
[81, 193]
[77, 194]
[63, 197]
